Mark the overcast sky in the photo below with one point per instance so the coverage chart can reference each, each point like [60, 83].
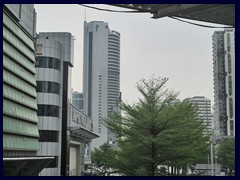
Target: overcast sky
[164, 47]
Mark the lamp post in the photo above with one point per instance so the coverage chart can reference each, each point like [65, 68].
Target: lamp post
[212, 157]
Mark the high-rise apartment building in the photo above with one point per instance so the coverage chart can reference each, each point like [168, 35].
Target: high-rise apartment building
[20, 131]
[224, 81]
[53, 73]
[203, 106]
[101, 76]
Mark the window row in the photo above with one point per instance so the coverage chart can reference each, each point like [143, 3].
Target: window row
[48, 110]
[14, 28]
[19, 97]
[47, 62]
[13, 125]
[48, 136]
[12, 142]
[17, 56]
[19, 111]
[17, 69]
[19, 83]
[48, 87]
[18, 44]
[16, 110]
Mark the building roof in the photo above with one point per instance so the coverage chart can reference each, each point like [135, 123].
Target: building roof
[212, 13]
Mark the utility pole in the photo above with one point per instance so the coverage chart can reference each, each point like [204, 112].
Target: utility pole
[212, 156]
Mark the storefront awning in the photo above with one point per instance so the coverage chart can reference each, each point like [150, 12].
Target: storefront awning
[83, 133]
[212, 13]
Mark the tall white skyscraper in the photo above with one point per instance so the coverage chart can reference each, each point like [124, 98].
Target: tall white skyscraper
[224, 81]
[101, 76]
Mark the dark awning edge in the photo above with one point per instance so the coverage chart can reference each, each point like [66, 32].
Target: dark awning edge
[25, 166]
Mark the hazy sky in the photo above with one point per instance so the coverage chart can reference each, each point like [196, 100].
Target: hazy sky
[164, 47]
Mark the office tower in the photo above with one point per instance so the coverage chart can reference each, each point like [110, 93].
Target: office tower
[101, 76]
[20, 132]
[78, 100]
[53, 73]
[203, 106]
[224, 81]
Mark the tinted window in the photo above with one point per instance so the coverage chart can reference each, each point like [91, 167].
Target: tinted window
[47, 62]
[48, 87]
[48, 110]
[48, 136]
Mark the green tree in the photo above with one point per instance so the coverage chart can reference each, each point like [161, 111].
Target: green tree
[226, 155]
[103, 160]
[156, 132]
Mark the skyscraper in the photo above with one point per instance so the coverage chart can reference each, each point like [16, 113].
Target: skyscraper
[101, 76]
[224, 81]
[20, 131]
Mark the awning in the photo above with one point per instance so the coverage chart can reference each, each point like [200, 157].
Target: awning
[25, 166]
[212, 13]
[83, 133]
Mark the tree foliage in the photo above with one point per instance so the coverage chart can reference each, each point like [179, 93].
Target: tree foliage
[103, 159]
[155, 132]
[226, 155]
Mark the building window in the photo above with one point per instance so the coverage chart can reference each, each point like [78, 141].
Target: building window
[48, 136]
[97, 27]
[48, 110]
[48, 87]
[47, 62]
[230, 85]
[231, 128]
[231, 107]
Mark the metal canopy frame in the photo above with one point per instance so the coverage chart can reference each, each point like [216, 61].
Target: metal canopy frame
[82, 133]
[25, 166]
[212, 13]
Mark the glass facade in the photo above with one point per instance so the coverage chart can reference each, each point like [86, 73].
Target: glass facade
[47, 62]
[48, 87]
[48, 110]
[20, 132]
[48, 136]
[78, 100]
